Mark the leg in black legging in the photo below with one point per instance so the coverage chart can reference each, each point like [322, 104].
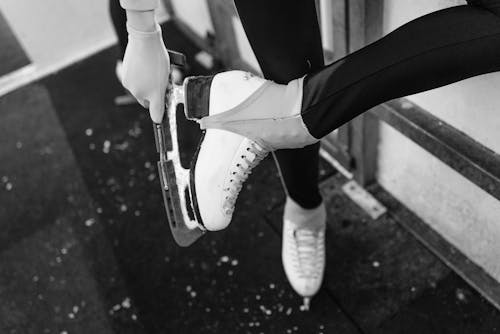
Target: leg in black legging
[119, 20]
[287, 46]
[432, 51]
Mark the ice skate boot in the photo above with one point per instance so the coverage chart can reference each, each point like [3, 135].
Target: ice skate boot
[238, 112]
[174, 179]
[303, 248]
[224, 159]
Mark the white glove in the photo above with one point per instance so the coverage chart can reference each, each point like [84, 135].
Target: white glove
[146, 69]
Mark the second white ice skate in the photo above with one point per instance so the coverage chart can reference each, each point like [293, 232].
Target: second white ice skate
[303, 249]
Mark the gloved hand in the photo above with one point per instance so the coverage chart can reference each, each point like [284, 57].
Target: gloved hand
[146, 69]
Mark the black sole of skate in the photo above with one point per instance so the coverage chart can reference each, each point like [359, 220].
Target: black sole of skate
[174, 179]
[192, 172]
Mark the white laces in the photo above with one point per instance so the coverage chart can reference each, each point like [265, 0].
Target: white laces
[252, 156]
[307, 247]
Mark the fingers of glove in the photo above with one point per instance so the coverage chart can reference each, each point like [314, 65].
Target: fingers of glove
[143, 103]
[157, 108]
[137, 95]
[128, 84]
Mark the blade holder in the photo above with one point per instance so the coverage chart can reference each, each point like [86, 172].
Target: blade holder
[176, 59]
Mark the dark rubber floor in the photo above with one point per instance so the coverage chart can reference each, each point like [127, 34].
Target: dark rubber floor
[85, 248]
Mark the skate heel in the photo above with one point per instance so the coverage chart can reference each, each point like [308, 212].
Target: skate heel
[197, 97]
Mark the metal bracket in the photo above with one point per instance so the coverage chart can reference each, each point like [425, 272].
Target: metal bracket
[364, 199]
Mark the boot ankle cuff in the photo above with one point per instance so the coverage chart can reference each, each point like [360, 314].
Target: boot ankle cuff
[296, 88]
[294, 92]
[306, 217]
[293, 89]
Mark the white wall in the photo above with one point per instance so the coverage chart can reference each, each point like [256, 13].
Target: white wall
[52, 30]
[195, 14]
[56, 33]
[463, 213]
[459, 210]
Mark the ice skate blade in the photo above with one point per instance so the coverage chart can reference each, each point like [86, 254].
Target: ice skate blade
[173, 177]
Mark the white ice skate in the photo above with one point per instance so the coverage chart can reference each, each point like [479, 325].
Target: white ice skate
[244, 118]
[303, 248]
[224, 159]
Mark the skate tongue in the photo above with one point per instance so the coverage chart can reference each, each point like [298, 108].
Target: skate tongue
[307, 244]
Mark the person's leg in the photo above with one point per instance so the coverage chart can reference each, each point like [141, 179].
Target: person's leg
[119, 20]
[432, 51]
[286, 40]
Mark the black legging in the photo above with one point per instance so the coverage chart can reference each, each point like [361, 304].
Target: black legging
[286, 40]
[432, 51]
